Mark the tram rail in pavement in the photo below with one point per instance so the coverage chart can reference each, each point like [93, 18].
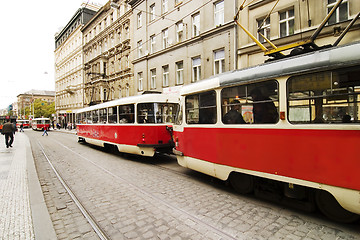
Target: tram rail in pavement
[23, 212]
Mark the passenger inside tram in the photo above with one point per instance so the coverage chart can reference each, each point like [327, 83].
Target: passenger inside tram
[234, 116]
[264, 109]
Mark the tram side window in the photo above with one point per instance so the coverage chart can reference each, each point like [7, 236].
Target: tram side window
[95, 116]
[145, 113]
[103, 115]
[126, 113]
[251, 103]
[112, 114]
[88, 117]
[201, 108]
[325, 97]
[80, 118]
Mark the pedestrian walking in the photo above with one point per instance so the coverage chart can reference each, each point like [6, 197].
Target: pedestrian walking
[8, 130]
[45, 131]
[22, 128]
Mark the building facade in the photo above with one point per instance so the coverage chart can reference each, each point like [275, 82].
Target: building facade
[26, 100]
[107, 54]
[180, 42]
[133, 46]
[69, 65]
[293, 21]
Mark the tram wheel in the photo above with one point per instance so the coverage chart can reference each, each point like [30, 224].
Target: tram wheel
[330, 207]
[242, 183]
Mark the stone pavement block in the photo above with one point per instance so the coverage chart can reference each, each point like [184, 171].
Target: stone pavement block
[22, 207]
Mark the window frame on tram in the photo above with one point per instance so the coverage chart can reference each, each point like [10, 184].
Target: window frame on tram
[154, 112]
[113, 115]
[201, 108]
[262, 97]
[324, 97]
[95, 116]
[103, 115]
[127, 113]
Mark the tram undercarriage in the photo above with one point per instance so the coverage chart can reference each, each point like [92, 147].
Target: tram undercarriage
[292, 195]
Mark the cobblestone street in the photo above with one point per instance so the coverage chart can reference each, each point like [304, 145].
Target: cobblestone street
[144, 198]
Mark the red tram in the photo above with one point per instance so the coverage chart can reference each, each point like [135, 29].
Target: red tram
[297, 137]
[40, 123]
[138, 125]
[24, 122]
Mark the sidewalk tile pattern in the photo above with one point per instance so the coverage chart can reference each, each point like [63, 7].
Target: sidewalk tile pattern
[15, 213]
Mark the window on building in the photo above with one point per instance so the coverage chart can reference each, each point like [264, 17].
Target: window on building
[105, 68]
[219, 61]
[179, 31]
[152, 44]
[139, 20]
[165, 75]
[340, 14]
[140, 50]
[263, 28]
[105, 95]
[201, 108]
[179, 73]
[219, 13]
[140, 81]
[152, 12]
[153, 78]
[127, 62]
[287, 22]
[196, 69]
[127, 90]
[165, 38]
[165, 6]
[119, 36]
[196, 25]
[120, 92]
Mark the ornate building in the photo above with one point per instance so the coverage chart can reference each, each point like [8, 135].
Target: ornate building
[69, 65]
[131, 46]
[26, 99]
[180, 42]
[107, 54]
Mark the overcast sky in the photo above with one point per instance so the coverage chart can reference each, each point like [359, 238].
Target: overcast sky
[27, 44]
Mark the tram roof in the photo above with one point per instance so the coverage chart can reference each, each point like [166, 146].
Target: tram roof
[329, 58]
[145, 98]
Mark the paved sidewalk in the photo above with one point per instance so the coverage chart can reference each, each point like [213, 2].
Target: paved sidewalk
[23, 213]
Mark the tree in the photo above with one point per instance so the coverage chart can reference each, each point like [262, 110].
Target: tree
[43, 109]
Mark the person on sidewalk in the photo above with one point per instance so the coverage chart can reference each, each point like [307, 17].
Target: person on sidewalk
[22, 128]
[45, 131]
[8, 130]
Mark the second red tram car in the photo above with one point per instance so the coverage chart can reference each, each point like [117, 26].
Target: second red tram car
[288, 129]
[24, 122]
[40, 123]
[140, 125]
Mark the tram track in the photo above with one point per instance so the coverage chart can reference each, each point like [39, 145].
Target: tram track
[85, 170]
[143, 191]
[91, 220]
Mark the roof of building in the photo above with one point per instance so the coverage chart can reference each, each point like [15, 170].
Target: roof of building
[39, 92]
